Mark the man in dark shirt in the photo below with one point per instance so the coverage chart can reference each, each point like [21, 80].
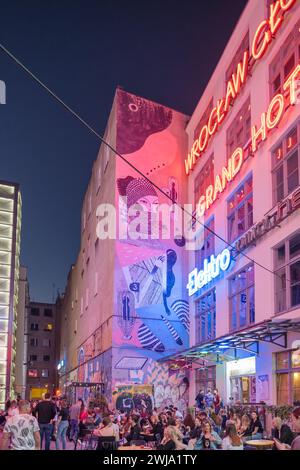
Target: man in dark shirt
[256, 428]
[45, 412]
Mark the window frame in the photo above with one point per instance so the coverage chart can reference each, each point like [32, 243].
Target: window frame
[235, 209]
[198, 317]
[290, 370]
[237, 292]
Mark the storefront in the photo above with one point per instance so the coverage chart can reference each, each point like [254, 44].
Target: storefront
[288, 377]
[241, 376]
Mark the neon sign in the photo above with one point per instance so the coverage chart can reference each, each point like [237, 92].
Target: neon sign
[211, 270]
[268, 121]
[263, 37]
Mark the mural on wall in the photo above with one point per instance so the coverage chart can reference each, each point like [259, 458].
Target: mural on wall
[96, 370]
[152, 311]
[134, 397]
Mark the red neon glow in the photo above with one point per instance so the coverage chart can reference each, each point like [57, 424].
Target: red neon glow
[269, 120]
[263, 37]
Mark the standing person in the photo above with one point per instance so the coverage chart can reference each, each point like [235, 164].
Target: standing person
[62, 425]
[22, 430]
[200, 400]
[45, 412]
[74, 419]
[209, 399]
[217, 401]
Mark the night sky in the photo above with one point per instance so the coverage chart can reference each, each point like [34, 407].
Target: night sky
[162, 50]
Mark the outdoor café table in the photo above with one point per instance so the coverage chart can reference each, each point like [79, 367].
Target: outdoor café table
[260, 444]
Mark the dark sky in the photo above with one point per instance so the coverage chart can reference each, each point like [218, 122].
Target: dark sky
[160, 49]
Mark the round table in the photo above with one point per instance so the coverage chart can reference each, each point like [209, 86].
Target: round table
[261, 444]
[133, 448]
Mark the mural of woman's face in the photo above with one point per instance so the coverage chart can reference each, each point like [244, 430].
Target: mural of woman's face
[148, 203]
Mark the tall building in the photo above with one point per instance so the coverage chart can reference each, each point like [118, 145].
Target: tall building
[22, 336]
[125, 305]
[243, 170]
[41, 350]
[10, 235]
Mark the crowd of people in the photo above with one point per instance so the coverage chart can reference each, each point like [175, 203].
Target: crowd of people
[33, 425]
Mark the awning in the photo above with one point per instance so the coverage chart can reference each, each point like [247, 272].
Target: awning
[243, 343]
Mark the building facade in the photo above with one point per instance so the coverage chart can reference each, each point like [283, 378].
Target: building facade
[243, 170]
[10, 234]
[125, 305]
[22, 336]
[41, 350]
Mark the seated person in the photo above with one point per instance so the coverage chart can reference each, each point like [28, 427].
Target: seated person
[209, 439]
[282, 432]
[167, 443]
[231, 440]
[295, 445]
[256, 428]
[106, 429]
[135, 430]
[245, 429]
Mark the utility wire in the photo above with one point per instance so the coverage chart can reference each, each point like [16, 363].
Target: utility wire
[93, 131]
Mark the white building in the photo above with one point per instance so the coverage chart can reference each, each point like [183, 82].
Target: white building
[244, 169]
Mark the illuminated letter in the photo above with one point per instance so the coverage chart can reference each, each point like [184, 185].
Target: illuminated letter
[220, 110]
[286, 5]
[189, 163]
[230, 95]
[212, 130]
[237, 161]
[240, 76]
[275, 23]
[195, 149]
[275, 112]
[259, 133]
[226, 174]
[291, 83]
[192, 282]
[259, 50]
[209, 196]
[201, 206]
[203, 143]
[218, 187]
[225, 259]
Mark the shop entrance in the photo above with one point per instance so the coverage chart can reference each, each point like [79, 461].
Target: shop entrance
[243, 389]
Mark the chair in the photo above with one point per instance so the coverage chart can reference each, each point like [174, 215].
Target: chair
[83, 439]
[107, 443]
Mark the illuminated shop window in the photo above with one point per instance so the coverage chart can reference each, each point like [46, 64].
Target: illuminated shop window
[288, 377]
[238, 57]
[206, 317]
[205, 178]
[242, 299]
[284, 62]
[208, 247]
[239, 132]
[286, 165]
[206, 378]
[287, 279]
[240, 210]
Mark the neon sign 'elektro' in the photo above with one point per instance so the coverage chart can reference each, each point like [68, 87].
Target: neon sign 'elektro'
[263, 37]
[211, 270]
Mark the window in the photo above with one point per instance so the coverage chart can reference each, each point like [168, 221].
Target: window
[48, 327]
[45, 373]
[34, 327]
[32, 358]
[48, 312]
[204, 119]
[288, 377]
[287, 269]
[206, 378]
[205, 178]
[33, 373]
[238, 57]
[33, 342]
[35, 312]
[208, 247]
[240, 210]
[46, 343]
[239, 132]
[286, 165]
[284, 62]
[241, 299]
[46, 357]
[206, 317]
